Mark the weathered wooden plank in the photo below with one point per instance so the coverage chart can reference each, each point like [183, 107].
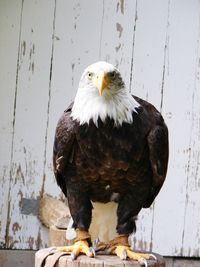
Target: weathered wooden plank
[191, 238]
[10, 13]
[76, 45]
[164, 41]
[146, 82]
[24, 231]
[149, 50]
[117, 33]
[178, 111]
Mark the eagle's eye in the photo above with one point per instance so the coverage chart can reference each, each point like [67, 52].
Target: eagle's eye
[111, 75]
[89, 74]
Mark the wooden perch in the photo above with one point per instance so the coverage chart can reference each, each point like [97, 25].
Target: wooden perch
[62, 260]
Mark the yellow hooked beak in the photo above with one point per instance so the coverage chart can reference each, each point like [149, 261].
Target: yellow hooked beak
[100, 81]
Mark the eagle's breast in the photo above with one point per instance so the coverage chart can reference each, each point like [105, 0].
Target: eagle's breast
[110, 159]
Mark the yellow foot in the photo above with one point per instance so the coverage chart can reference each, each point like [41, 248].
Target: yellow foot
[77, 248]
[124, 252]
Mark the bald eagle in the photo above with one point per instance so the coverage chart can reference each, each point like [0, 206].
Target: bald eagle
[109, 146]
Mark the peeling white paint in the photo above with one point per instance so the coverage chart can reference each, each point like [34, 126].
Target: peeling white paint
[156, 45]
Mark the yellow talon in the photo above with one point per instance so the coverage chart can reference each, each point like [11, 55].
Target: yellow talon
[78, 248]
[124, 251]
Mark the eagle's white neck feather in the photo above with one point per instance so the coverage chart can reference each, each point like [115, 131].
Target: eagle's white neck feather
[89, 105]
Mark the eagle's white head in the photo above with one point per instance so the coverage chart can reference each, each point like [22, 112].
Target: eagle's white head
[102, 94]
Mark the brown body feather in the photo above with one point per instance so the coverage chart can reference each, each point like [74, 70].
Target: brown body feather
[126, 164]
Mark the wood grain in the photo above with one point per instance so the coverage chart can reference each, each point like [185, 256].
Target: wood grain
[98, 261]
[178, 109]
[29, 129]
[10, 20]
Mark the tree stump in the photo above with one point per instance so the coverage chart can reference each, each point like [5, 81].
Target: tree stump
[43, 259]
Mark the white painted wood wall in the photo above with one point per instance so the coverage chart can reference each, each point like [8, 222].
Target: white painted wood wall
[44, 47]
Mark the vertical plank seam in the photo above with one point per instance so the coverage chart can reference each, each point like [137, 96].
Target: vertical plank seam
[49, 100]
[166, 48]
[190, 141]
[13, 131]
[133, 46]
[101, 30]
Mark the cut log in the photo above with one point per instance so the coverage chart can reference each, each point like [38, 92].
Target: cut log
[43, 259]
